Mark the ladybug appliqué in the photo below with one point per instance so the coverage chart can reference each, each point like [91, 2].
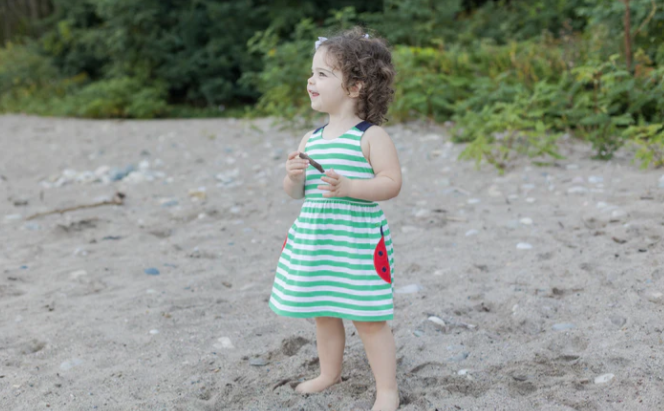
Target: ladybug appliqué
[285, 241]
[381, 262]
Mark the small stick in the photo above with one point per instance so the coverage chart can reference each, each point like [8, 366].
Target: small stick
[312, 162]
[118, 199]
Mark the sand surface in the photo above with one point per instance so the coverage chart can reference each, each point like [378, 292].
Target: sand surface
[549, 280]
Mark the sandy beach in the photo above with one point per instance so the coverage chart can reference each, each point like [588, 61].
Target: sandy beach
[541, 289]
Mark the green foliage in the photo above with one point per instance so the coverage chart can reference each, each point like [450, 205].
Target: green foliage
[122, 97]
[286, 67]
[649, 142]
[512, 75]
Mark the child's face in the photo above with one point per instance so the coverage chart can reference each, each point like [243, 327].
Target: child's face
[324, 86]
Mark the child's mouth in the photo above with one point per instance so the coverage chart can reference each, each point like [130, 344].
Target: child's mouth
[313, 94]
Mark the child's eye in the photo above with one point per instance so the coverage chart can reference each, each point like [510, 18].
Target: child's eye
[321, 73]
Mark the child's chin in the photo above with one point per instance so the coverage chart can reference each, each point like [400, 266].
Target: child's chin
[316, 107]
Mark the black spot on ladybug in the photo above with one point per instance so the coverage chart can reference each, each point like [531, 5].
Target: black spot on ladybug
[380, 253]
[384, 269]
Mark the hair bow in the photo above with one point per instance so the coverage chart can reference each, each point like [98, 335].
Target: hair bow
[322, 39]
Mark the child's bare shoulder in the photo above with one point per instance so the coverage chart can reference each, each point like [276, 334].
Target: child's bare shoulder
[305, 139]
[377, 135]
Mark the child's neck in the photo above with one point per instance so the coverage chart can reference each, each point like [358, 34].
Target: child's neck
[342, 122]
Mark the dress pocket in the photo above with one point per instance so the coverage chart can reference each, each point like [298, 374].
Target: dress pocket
[381, 260]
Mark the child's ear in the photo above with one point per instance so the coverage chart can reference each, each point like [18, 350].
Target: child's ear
[354, 90]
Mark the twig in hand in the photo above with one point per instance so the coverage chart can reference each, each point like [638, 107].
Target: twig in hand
[312, 162]
[118, 199]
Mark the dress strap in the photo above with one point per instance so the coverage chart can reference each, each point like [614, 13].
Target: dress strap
[363, 126]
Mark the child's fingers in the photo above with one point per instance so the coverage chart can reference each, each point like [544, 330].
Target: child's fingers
[293, 155]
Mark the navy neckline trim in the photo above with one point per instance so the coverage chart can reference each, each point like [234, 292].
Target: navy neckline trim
[363, 126]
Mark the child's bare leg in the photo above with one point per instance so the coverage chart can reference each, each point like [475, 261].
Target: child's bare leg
[330, 341]
[381, 352]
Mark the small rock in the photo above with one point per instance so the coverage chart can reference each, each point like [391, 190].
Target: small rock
[459, 357]
[437, 321]
[32, 226]
[526, 221]
[151, 271]
[604, 378]
[197, 194]
[530, 200]
[68, 365]
[409, 289]
[563, 326]
[169, 203]
[661, 182]
[572, 167]
[224, 342]
[524, 246]
[418, 333]
[595, 179]
[257, 362]
[471, 232]
[617, 215]
[577, 190]
[76, 274]
[116, 173]
[474, 201]
[463, 372]
[13, 217]
[153, 332]
[655, 297]
[617, 320]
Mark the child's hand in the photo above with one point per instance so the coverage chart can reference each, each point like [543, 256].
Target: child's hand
[295, 166]
[339, 186]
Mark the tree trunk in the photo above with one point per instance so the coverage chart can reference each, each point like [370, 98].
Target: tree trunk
[6, 30]
[628, 36]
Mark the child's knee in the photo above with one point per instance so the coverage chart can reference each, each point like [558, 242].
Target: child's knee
[369, 327]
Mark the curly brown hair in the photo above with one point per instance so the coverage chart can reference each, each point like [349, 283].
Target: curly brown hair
[365, 60]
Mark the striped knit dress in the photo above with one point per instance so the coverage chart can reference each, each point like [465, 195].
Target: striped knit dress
[337, 260]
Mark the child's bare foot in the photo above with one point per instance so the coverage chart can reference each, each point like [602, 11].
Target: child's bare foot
[386, 400]
[318, 384]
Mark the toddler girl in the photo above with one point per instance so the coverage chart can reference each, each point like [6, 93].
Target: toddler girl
[337, 260]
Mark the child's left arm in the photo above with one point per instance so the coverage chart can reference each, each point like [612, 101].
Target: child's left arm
[384, 160]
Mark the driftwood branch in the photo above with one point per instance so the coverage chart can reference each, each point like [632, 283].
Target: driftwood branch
[118, 199]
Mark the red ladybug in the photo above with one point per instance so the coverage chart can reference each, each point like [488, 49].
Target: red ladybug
[381, 262]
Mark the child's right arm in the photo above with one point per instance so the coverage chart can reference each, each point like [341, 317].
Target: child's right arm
[295, 170]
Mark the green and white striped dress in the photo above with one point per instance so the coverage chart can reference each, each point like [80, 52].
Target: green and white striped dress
[337, 260]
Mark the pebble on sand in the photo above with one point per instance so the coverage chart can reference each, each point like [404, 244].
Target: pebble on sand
[257, 362]
[224, 342]
[76, 274]
[409, 289]
[151, 271]
[153, 332]
[604, 378]
[471, 232]
[524, 246]
[437, 321]
[563, 326]
[68, 365]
